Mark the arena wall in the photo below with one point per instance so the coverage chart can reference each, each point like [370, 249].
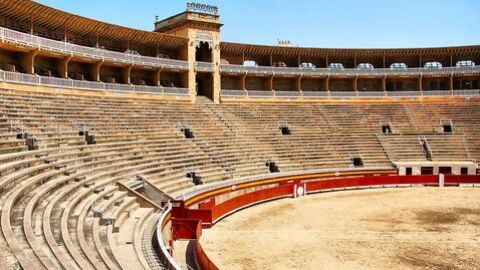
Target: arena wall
[207, 212]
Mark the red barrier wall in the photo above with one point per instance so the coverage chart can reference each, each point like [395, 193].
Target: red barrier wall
[210, 213]
[462, 179]
[186, 228]
[248, 199]
[371, 181]
[286, 180]
[202, 259]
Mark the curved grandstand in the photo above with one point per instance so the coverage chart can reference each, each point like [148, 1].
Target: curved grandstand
[118, 143]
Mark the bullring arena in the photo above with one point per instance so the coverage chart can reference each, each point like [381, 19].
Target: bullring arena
[172, 149]
[407, 228]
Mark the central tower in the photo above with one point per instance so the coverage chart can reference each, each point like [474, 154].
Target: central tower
[200, 24]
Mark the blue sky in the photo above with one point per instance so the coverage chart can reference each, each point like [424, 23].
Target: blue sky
[310, 23]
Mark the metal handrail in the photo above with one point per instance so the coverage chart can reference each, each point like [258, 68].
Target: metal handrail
[234, 182]
[169, 261]
[288, 93]
[16, 37]
[348, 94]
[233, 93]
[204, 66]
[347, 71]
[16, 77]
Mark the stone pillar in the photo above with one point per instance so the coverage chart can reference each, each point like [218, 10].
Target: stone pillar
[63, 67]
[270, 83]
[298, 83]
[191, 77]
[157, 76]
[95, 71]
[451, 82]
[355, 84]
[327, 84]
[28, 62]
[243, 82]
[384, 83]
[420, 83]
[126, 74]
[217, 81]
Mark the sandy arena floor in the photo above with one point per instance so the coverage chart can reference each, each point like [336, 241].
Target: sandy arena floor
[425, 228]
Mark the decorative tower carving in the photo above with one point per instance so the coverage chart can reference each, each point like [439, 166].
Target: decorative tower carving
[200, 23]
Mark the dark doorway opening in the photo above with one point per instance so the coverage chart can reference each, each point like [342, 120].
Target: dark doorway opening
[272, 167]
[188, 133]
[445, 170]
[203, 52]
[464, 171]
[205, 85]
[386, 129]
[427, 170]
[285, 130]
[447, 128]
[357, 162]
[408, 171]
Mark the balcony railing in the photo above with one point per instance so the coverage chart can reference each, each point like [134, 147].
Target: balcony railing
[437, 93]
[288, 93]
[345, 94]
[15, 77]
[474, 92]
[404, 93]
[260, 93]
[204, 66]
[233, 93]
[15, 37]
[348, 71]
[315, 93]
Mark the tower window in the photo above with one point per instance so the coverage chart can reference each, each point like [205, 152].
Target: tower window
[357, 162]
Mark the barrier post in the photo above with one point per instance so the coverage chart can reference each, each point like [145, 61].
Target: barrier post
[441, 180]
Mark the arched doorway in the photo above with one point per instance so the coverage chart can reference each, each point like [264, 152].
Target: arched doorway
[204, 80]
[203, 52]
